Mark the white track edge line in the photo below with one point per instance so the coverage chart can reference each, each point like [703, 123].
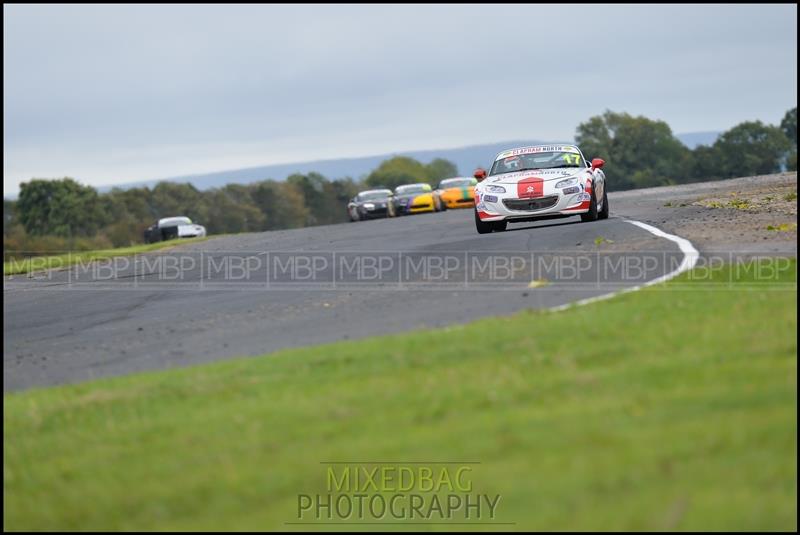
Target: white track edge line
[690, 257]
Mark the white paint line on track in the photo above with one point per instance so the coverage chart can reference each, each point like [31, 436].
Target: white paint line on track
[690, 256]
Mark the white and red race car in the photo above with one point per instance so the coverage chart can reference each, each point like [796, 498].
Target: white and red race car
[542, 181]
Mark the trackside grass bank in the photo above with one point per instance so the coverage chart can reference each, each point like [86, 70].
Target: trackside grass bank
[674, 407]
[58, 261]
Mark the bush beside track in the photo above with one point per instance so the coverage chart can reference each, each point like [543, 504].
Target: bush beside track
[674, 407]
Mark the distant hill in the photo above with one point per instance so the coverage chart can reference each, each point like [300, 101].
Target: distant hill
[465, 158]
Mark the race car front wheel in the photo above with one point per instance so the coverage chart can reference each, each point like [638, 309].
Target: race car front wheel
[482, 227]
[603, 213]
[591, 215]
[485, 227]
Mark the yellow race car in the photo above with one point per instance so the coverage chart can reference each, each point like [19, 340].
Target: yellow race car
[455, 193]
[413, 199]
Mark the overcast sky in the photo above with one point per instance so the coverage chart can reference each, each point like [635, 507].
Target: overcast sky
[114, 94]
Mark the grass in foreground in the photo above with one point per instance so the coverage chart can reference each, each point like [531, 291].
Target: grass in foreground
[42, 263]
[660, 409]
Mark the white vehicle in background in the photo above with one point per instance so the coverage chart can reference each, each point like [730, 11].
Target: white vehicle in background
[169, 228]
[541, 181]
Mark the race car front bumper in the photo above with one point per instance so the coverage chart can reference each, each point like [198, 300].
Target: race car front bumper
[374, 213]
[458, 203]
[415, 208]
[493, 207]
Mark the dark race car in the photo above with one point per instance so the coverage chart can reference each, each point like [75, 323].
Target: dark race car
[371, 204]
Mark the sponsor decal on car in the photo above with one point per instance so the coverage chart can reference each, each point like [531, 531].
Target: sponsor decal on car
[536, 149]
[530, 188]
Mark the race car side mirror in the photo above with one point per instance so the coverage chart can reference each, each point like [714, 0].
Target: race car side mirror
[597, 163]
[479, 174]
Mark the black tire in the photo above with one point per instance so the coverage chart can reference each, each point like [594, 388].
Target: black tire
[483, 227]
[169, 233]
[500, 226]
[152, 234]
[591, 215]
[603, 214]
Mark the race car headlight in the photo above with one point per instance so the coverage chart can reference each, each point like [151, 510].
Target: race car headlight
[495, 189]
[567, 182]
[369, 205]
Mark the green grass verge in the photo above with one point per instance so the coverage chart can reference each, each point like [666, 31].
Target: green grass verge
[660, 409]
[45, 262]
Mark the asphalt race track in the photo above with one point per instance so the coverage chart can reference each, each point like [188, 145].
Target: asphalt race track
[252, 294]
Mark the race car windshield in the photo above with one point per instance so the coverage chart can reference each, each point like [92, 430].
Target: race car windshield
[174, 221]
[539, 160]
[413, 188]
[374, 195]
[457, 183]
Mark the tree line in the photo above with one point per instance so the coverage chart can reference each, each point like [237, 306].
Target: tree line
[642, 152]
[62, 214]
